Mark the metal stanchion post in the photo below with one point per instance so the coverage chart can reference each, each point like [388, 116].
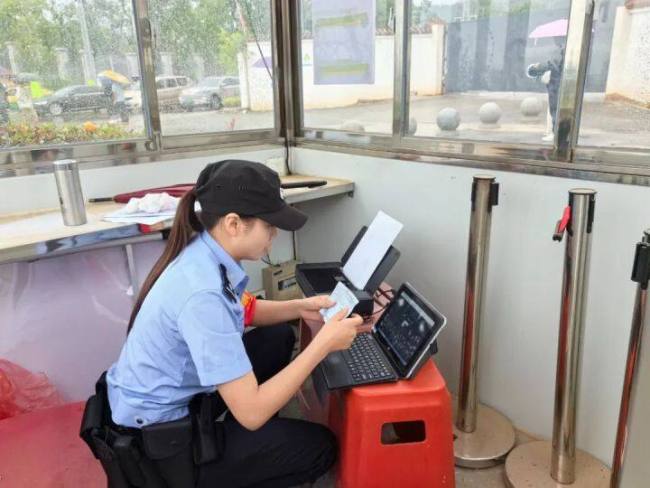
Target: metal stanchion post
[631, 420]
[482, 435]
[542, 464]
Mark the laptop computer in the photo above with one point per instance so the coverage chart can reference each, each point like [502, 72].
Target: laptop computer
[395, 349]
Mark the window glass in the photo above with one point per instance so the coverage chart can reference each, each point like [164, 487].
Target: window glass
[205, 40]
[616, 105]
[347, 64]
[486, 70]
[50, 50]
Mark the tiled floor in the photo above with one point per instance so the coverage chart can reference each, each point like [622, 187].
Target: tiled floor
[486, 478]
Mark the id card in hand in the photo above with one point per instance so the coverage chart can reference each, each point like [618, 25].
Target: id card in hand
[343, 297]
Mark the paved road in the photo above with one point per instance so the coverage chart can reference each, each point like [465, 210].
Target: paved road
[610, 124]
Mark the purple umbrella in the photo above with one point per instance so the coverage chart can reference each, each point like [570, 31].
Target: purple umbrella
[557, 28]
[264, 62]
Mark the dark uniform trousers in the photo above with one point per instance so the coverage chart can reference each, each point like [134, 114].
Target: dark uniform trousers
[283, 452]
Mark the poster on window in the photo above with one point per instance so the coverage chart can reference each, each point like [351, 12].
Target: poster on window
[344, 41]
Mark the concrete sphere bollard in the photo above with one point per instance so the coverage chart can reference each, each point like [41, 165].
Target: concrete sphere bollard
[489, 113]
[531, 107]
[353, 126]
[413, 126]
[448, 119]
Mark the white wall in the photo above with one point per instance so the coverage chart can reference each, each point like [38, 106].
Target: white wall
[519, 335]
[33, 192]
[629, 66]
[427, 57]
[255, 84]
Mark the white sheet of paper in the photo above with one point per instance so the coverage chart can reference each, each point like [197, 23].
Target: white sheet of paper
[343, 297]
[148, 220]
[371, 249]
[122, 216]
[122, 213]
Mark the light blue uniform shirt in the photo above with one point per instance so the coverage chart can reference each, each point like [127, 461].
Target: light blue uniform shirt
[186, 339]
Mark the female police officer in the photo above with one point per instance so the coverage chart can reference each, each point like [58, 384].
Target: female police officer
[186, 336]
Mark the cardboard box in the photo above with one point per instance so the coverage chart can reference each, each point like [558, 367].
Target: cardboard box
[280, 281]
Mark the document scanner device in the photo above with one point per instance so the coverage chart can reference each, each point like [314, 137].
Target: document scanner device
[321, 278]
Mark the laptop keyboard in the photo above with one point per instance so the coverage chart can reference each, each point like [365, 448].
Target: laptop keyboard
[366, 362]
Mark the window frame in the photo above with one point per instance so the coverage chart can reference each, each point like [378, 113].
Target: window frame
[153, 146]
[564, 158]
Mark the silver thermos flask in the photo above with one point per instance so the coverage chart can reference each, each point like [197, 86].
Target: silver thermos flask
[66, 172]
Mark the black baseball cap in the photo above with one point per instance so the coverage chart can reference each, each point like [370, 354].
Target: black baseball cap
[248, 189]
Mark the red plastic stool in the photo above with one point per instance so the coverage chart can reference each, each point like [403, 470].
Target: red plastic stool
[421, 454]
[42, 449]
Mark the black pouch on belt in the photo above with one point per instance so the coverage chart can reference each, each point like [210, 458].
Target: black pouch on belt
[169, 445]
[208, 432]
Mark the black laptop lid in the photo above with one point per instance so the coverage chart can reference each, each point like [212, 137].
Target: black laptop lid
[407, 328]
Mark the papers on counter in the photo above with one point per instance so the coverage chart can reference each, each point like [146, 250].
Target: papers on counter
[146, 219]
[150, 209]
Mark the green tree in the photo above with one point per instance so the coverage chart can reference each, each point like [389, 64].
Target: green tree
[216, 30]
[27, 24]
[220, 37]
[110, 26]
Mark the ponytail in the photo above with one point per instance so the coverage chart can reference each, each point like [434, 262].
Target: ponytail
[186, 222]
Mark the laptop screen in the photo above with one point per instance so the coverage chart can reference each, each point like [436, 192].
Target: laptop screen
[408, 326]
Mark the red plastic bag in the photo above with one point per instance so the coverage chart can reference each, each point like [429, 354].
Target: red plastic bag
[22, 391]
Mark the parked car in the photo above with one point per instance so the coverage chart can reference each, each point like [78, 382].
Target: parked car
[210, 92]
[74, 98]
[167, 87]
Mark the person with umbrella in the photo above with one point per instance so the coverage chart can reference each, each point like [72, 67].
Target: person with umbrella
[550, 71]
[113, 83]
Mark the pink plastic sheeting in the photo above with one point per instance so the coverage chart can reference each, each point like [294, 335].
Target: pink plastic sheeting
[22, 391]
[43, 450]
[67, 316]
